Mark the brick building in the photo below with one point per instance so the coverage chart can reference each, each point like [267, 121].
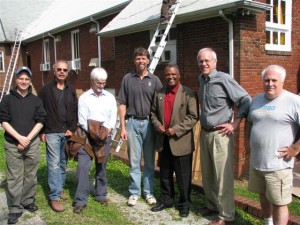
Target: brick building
[247, 36]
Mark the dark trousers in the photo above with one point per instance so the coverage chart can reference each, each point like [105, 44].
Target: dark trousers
[182, 165]
[83, 169]
[166, 5]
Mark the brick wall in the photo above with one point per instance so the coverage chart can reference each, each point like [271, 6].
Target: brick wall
[250, 58]
[7, 50]
[88, 49]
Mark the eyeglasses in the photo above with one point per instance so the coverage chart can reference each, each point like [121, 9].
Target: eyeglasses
[98, 83]
[206, 61]
[61, 69]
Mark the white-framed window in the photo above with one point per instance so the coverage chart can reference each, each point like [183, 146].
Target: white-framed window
[169, 55]
[2, 68]
[279, 25]
[75, 44]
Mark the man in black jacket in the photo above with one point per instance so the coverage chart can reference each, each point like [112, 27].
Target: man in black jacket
[22, 116]
[60, 102]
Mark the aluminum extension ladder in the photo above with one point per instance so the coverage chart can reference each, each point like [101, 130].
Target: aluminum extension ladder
[161, 32]
[12, 65]
[157, 50]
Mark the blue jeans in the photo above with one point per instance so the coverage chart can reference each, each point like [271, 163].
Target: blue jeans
[140, 139]
[56, 163]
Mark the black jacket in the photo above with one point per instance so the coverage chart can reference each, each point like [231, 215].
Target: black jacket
[22, 113]
[53, 122]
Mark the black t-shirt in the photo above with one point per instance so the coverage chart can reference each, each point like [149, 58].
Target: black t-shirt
[61, 104]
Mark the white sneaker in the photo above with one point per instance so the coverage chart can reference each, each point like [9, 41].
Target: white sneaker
[132, 200]
[150, 199]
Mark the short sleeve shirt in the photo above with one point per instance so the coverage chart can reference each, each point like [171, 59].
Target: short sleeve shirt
[275, 123]
[137, 94]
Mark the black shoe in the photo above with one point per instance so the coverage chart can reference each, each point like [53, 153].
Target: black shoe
[13, 217]
[160, 207]
[31, 207]
[184, 212]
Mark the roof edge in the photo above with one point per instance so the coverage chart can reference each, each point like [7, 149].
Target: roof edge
[96, 16]
[255, 7]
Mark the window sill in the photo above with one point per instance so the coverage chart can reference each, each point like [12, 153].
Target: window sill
[274, 52]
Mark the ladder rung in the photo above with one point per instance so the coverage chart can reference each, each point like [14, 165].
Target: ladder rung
[159, 48]
[159, 35]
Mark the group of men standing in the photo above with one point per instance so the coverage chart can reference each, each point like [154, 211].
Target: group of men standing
[153, 117]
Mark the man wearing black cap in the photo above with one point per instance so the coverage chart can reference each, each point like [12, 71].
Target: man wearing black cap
[22, 116]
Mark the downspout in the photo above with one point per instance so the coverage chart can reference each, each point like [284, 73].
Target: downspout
[99, 43]
[5, 38]
[55, 59]
[231, 57]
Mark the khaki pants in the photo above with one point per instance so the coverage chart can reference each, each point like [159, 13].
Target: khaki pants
[22, 169]
[218, 172]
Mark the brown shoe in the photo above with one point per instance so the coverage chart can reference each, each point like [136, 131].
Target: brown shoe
[63, 196]
[220, 221]
[56, 205]
[78, 208]
[103, 202]
[205, 212]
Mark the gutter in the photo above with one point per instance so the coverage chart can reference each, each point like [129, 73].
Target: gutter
[55, 58]
[230, 37]
[150, 22]
[99, 41]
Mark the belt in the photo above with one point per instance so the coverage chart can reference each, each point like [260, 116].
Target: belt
[139, 117]
[211, 129]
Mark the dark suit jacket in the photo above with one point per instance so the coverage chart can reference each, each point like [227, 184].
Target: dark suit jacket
[184, 117]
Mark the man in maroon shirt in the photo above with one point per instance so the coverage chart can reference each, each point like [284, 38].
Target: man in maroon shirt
[174, 113]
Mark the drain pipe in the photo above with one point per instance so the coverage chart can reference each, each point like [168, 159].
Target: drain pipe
[5, 38]
[231, 58]
[55, 59]
[99, 43]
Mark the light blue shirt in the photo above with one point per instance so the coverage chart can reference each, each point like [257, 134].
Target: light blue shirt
[102, 108]
[275, 123]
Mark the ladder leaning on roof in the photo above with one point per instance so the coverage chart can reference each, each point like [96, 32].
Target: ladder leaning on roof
[161, 32]
[155, 50]
[12, 65]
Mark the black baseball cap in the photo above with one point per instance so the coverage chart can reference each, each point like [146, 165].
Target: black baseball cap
[24, 69]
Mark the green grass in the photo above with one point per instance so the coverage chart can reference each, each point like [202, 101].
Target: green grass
[118, 179]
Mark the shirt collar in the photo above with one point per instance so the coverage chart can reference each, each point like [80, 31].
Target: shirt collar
[173, 90]
[103, 93]
[134, 74]
[210, 76]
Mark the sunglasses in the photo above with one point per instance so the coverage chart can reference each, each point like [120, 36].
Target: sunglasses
[61, 69]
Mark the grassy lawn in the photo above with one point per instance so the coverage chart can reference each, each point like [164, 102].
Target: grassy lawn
[118, 178]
